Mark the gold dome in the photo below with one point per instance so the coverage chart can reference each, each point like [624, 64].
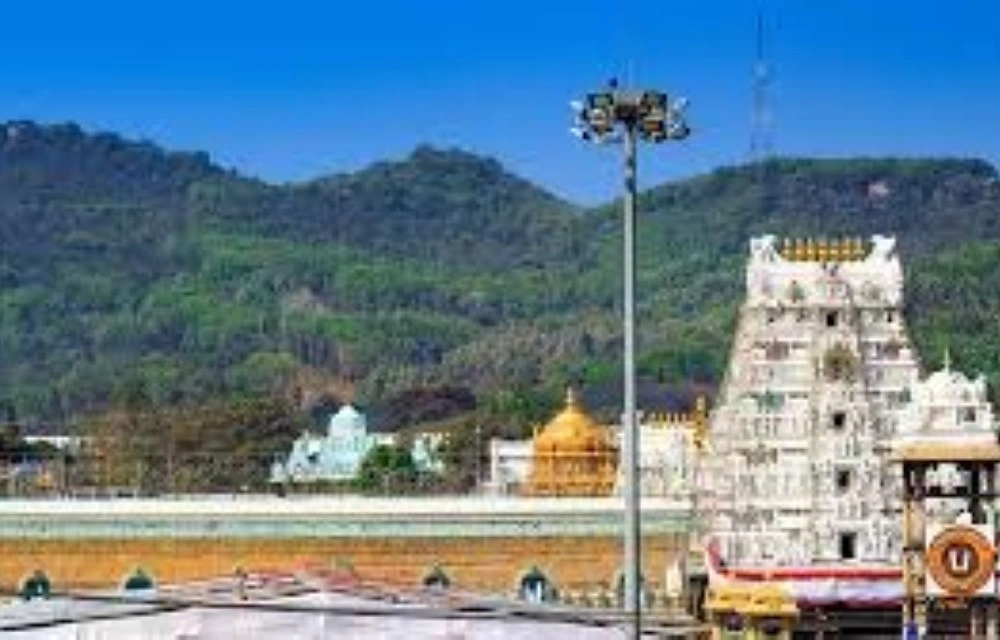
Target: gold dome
[573, 455]
[572, 429]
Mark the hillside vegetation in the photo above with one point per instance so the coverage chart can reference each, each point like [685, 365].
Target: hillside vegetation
[437, 289]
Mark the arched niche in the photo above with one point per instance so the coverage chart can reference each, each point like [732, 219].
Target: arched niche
[138, 580]
[535, 586]
[37, 586]
[646, 594]
[437, 578]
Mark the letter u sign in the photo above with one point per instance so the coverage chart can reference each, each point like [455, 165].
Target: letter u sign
[960, 560]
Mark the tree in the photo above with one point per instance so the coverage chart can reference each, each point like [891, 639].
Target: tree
[387, 469]
[225, 445]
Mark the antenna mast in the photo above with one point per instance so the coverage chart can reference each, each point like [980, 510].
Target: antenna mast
[761, 132]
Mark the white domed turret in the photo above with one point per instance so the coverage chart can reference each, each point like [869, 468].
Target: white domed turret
[948, 405]
[347, 420]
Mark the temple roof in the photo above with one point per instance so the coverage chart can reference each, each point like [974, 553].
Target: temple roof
[929, 451]
[573, 429]
[347, 419]
[947, 384]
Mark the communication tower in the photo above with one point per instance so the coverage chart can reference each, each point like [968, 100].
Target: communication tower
[762, 116]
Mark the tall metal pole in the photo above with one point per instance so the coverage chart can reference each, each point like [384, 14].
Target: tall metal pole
[633, 538]
[600, 119]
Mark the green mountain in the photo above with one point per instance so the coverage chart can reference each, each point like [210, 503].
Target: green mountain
[439, 287]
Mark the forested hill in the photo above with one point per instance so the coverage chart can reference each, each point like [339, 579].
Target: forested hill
[437, 287]
[441, 206]
[929, 203]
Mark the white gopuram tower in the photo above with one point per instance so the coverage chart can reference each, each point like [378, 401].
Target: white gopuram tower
[821, 367]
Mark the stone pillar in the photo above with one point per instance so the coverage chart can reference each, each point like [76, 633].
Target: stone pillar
[914, 601]
[977, 620]
[992, 621]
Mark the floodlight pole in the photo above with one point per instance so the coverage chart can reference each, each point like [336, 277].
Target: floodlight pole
[619, 116]
[633, 537]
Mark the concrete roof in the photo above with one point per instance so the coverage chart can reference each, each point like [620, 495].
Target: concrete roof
[930, 451]
[282, 618]
[353, 506]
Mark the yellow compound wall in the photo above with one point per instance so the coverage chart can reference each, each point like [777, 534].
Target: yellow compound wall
[491, 565]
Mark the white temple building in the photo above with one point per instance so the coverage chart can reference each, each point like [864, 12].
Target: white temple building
[337, 454]
[947, 405]
[669, 451]
[510, 464]
[334, 455]
[946, 408]
[822, 384]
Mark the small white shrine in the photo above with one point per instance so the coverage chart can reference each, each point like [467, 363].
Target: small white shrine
[337, 454]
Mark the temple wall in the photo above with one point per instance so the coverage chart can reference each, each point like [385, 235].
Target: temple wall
[482, 544]
[485, 564]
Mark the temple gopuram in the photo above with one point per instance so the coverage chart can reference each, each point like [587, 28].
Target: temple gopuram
[825, 425]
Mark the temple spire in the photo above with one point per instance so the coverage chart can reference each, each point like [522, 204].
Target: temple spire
[572, 398]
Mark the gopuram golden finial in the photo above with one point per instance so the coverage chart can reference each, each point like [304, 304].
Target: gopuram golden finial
[810, 250]
[859, 249]
[822, 252]
[700, 420]
[836, 253]
[701, 406]
[799, 250]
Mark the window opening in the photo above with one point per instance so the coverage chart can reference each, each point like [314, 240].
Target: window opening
[843, 479]
[848, 546]
[838, 420]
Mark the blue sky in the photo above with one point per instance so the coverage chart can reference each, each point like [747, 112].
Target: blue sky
[290, 90]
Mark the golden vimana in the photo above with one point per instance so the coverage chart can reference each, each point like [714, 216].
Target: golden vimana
[574, 455]
[823, 250]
